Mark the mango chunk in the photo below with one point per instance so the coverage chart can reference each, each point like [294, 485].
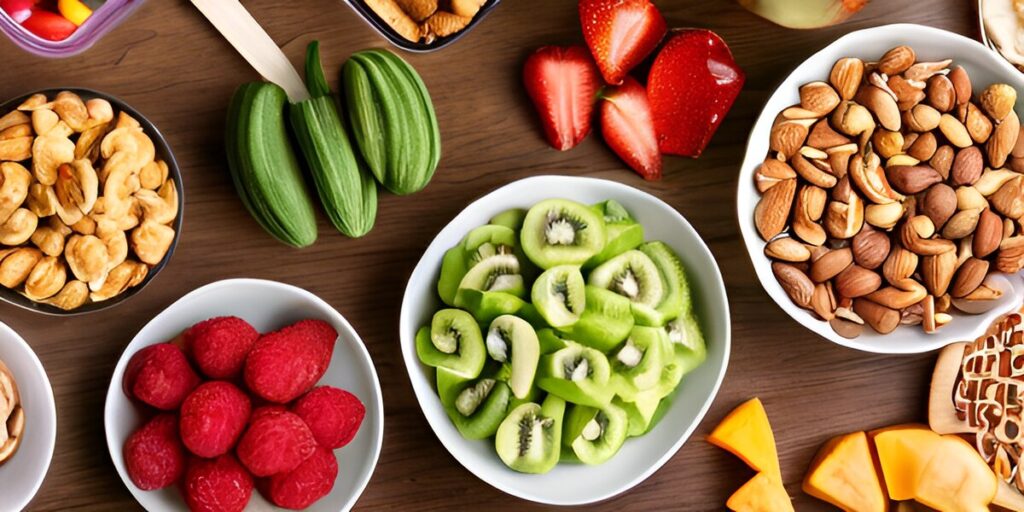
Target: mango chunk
[746, 433]
[843, 474]
[763, 493]
[957, 479]
[904, 452]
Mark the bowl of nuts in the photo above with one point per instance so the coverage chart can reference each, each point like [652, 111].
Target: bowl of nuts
[90, 201]
[881, 198]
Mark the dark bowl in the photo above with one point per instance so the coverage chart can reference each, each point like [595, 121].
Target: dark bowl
[389, 33]
[163, 152]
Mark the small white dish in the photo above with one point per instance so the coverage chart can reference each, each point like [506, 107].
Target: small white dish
[983, 66]
[268, 306]
[23, 473]
[639, 458]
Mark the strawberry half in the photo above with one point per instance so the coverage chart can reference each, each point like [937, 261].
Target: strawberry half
[692, 85]
[620, 34]
[563, 84]
[628, 128]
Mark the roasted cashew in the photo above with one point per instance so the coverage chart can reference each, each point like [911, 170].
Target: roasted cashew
[42, 200]
[14, 184]
[153, 175]
[48, 153]
[72, 110]
[18, 228]
[126, 150]
[46, 279]
[916, 235]
[150, 241]
[162, 206]
[72, 296]
[867, 173]
[48, 240]
[16, 264]
[14, 118]
[87, 257]
[43, 121]
[77, 189]
[122, 277]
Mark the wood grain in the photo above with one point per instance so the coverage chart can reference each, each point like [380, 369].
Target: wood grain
[169, 63]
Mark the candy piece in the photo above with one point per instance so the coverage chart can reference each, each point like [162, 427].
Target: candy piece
[219, 345]
[160, 376]
[287, 363]
[333, 415]
[275, 442]
[217, 485]
[154, 455]
[213, 417]
[304, 485]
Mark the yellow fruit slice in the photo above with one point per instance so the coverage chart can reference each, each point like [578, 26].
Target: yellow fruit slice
[763, 493]
[904, 452]
[74, 10]
[956, 479]
[843, 474]
[746, 433]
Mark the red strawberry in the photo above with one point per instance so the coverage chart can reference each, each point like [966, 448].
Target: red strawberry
[629, 130]
[620, 34]
[693, 83]
[563, 84]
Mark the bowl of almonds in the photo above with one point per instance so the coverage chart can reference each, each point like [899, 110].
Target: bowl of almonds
[881, 198]
[90, 201]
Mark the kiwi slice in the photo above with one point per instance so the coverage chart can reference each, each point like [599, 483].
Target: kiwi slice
[491, 236]
[633, 275]
[486, 306]
[596, 434]
[452, 342]
[497, 271]
[637, 363]
[531, 314]
[480, 407]
[453, 269]
[622, 232]
[640, 411]
[578, 374]
[558, 294]
[677, 289]
[606, 320]
[529, 439]
[512, 341]
[512, 219]
[550, 341]
[561, 232]
[687, 341]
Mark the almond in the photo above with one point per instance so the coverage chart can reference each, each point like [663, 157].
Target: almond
[939, 204]
[772, 211]
[979, 126]
[810, 205]
[882, 105]
[923, 147]
[942, 160]
[818, 97]
[967, 167]
[900, 265]
[912, 179]
[846, 328]
[955, 131]
[787, 249]
[870, 248]
[940, 93]
[823, 301]
[937, 272]
[823, 137]
[961, 224]
[988, 234]
[880, 318]
[969, 277]
[788, 136]
[968, 198]
[998, 101]
[796, 284]
[831, 264]
[852, 118]
[856, 281]
[908, 94]
[770, 173]
[846, 76]
[812, 173]
[1011, 255]
[961, 84]
[922, 118]
[1009, 199]
[897, 60]
[1003, 139]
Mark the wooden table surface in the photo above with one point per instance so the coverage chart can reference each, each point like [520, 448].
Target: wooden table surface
[171, 65]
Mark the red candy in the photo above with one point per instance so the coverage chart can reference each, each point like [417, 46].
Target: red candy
[219, 345]
[154, 455]
[276, 442]
[217, 485]
[160, 376]
[287, 363]
[304, 485]
[213, 417]
[333, 415]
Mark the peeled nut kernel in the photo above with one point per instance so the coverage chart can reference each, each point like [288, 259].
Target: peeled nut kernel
[988, 234]
[968, 198]
[844, 216]
[998, 100]
[916, 236]
[880, 318]
[922, 71]
[87, 257]
[870, 178]
[48, 153]
[884, 216]
[49, 241]
[852, 119]
[810, 205]
[16, 264]
[823, 301]
[771, 173]
[46, 279]
[122, 277]
[942, 160]
[150, 241]
[922, 118]
[14, 185]
[162, 206]
[940, 93]
[1003, 139]
[788, 136]
[901, 160]
[18, 228]
[808, 171]
[888, 143]
[797, 285]
[955, 131]
[73, 295]
[908, 93]
[961, 224]
[992, 180]
[897, 60]
[846, 76]
[787, 249]
[823, 137]
[882, 105]
[978, 124]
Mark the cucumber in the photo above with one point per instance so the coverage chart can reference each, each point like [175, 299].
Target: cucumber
[263, 166]
[392, 119]
[347, 192]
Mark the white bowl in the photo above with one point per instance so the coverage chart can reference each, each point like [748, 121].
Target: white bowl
[23, 473]
[983, 66]
[573, 484]
[268, 306]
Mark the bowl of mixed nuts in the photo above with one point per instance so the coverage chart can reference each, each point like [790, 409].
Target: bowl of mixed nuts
[90, 201]
[882, 194]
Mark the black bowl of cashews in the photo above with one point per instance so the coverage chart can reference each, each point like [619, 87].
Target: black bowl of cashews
[91, 201]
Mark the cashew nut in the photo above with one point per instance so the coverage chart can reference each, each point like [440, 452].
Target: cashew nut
[14, 184]
[124, 276]
[72, 296]
[916, 235]
[71, 109]
[869, 176]
[14, 118]
[16, 149]
[153, 175]
[44, 120]
[16, 265]
[33, 102]
[42, 200]
[162, 206]
[46, 279]
[87, 257]
[77, 188]
[48, 153]
[48, 240]
[127, 150]
[18, 228]
[150, 241]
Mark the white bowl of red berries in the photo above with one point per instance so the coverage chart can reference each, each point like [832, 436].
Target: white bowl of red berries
[245, 395]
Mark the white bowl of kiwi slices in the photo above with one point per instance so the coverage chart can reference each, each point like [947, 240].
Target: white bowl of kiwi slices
[564, 337]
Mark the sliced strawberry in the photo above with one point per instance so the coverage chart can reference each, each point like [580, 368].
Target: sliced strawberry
[692, 85]
[620, 34]
[563, 84]
[628, 128]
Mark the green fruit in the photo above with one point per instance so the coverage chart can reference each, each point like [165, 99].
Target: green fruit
[688, 342]
[633, 275]
[486, 306]
[529, 313]
[623, 233]
[453, 342]
[640, 411]
[490, 235]
[480, 407]
[638, 363]
[550, 341]
[449, 385]
[561, 232]
[497, 272]
[529, 439]
[606, 320]
[677, 289]
[596, 434]
[453, 269]
[393, 120]
[512, 219]
[512, 341]
[577, 374]
[558, 294]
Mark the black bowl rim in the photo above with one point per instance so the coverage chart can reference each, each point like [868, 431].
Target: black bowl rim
[163, 151]
[394, 38]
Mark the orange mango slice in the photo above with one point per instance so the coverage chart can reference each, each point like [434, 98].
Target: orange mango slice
[746, 433]
[843, 474]
[763, 493]
[957, 479]
[904, 452]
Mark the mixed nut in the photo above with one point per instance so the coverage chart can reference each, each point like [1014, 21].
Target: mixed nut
[891, 193]
[12, 416]
[85, 207]
[426, 20]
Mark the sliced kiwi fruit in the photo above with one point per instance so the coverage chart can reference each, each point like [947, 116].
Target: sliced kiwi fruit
[498, 271]
[640, 411]
[633, 275]
[622, 232]
[578, 374]
[559, 296]
[512, 341]
[480, 407]
[637, 364]
[452, 342]
[561, 232]
[606, 320]
[550, 341]
[486, 306]
[453, 269]
[687, 341]
[530, 313]
[529, 439]
[596, 434]
[489, 235]
[677, 289]
[512, 219]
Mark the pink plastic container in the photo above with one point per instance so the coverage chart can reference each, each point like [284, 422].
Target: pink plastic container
[102, 21]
